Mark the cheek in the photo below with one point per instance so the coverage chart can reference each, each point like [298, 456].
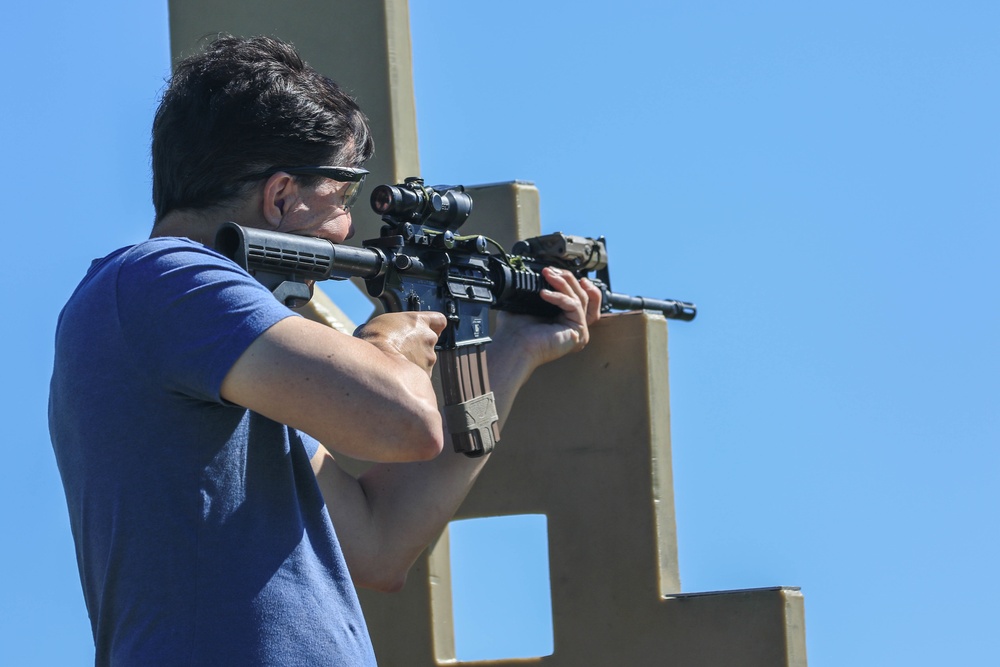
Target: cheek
[336, 229]
[299, 222]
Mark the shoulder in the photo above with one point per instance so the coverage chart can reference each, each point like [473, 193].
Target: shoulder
[168, 265]
[170, 251]
[157, 257]
[173, 279]
[187, 313]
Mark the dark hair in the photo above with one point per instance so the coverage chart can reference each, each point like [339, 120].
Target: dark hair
[239, 108]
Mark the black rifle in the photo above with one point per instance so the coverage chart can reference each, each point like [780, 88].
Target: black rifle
[419, 263]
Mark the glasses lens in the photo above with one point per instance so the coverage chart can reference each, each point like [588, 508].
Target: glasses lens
[352, 192]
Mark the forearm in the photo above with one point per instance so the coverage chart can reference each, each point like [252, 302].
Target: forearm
[393, 511]
[405, 506]
[367, 401]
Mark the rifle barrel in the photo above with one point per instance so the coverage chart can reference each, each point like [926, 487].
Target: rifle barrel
[674, 310]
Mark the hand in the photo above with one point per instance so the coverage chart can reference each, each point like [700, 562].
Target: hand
[411, 335]
[540, 341]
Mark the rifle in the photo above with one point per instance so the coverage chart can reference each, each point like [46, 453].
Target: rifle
[420, 263]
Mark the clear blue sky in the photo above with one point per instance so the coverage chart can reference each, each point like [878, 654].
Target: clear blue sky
[821, 178]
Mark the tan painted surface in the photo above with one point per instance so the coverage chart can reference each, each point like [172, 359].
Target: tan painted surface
[588, 443]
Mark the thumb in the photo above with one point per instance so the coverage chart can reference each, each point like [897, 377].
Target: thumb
[435, 320]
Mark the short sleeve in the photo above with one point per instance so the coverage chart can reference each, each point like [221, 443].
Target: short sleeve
[309, 443]
[187, 314]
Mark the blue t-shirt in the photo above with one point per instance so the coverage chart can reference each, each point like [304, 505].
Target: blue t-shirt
[201, 533]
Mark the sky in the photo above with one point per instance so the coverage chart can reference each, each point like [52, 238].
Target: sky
[820, 178]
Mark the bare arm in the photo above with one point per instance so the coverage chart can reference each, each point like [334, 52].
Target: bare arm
[371, 399]
[388, 516]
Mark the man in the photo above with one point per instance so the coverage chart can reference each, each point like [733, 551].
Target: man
[188, 406]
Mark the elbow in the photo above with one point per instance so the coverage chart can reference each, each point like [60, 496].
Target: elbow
[417, 429]
[432, 442]
[388, 585]
[424, 439]
[402, 441]
[383, 581]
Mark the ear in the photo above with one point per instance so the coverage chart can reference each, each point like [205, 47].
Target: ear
[280, 191]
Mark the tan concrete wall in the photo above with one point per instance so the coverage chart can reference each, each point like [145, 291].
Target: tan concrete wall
[588, 445]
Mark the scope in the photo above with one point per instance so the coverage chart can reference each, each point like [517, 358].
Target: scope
[444, 206]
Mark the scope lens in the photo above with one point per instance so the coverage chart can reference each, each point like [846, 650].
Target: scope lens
[382, 199]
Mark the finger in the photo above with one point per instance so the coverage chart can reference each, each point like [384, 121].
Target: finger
[427, 327]
[574, 316]
[565, 282]
[594, 300]
[435, 320]
[430, 361]
[570, 305]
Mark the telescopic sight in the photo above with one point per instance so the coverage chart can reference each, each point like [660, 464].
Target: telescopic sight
[382, 199]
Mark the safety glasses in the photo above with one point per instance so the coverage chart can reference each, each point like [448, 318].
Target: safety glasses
[354, 177]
